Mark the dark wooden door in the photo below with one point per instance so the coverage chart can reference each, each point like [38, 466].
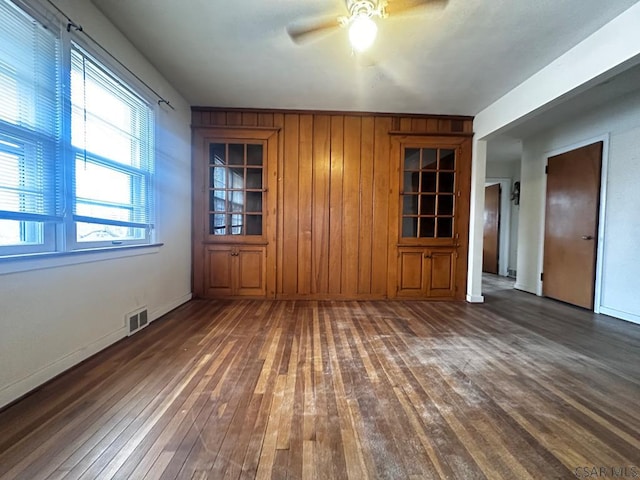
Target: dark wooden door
[571, 225]
[491, 237]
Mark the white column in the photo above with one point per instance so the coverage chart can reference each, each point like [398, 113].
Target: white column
[476, 221]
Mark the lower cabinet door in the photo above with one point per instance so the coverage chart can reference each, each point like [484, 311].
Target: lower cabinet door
[218, 271]
[440, 271]
[411, 279]
[251, 272]
[234, 271]
[426, 272]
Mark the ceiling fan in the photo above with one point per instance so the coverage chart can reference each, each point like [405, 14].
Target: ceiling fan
[360, 20]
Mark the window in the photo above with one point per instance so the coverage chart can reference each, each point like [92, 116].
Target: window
[76, 155]
[30, 93]
[111, 145]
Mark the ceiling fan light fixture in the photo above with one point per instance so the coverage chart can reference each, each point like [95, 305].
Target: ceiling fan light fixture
[362, 32]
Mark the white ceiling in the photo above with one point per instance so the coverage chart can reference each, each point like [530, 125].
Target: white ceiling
[455, 59]
[508, 145]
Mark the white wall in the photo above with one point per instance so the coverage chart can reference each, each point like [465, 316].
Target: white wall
[608, 51]
[53, 318]
[620, 281]
[510, 170]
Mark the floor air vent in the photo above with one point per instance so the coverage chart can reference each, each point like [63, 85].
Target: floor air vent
[137, 320]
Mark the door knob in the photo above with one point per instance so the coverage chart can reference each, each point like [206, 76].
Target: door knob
[587, 237]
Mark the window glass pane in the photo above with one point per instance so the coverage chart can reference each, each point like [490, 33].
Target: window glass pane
[411, 182]
[445, 227]
[236, 224]
[10, 104]
[102, 184]
[427, 227]
[427, 204]
[429, 158]
[254, 154]
[29, 73]
[92, 232]
[410, 227]
[446, 184]
[218, 177]
[23, 181]
[254, 178]
[107, 119]
[447, 159]
[410, 205]
[217, 224]
[429, 182]
[254, 202]
[98, 137]
[254, 224]
[236, 154]
[236, 178]
[217, 201]
[445, 204]
[412, 159]
[217, 154]
[236, 201]
[16, 232]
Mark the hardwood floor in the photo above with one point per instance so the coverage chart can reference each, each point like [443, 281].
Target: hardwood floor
[520, 387]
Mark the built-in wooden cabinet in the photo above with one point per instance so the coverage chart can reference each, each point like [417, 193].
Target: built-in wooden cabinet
[429, 216]
[329, 205]
[235, 189]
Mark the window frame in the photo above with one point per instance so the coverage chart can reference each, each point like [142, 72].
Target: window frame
[23, 135]
[128, 82]
[59, 233]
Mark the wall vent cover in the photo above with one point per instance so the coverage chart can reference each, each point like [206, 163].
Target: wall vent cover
[136, 320]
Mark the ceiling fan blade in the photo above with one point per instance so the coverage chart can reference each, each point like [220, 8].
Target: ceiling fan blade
[396, 7]
[304, 32]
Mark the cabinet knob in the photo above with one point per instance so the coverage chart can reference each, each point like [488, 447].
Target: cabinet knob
[426, 255]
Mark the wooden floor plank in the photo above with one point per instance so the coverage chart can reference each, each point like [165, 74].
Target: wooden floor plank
[519, 387]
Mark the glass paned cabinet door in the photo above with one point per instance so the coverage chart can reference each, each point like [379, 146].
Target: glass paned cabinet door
[428, 192]
[236, 189]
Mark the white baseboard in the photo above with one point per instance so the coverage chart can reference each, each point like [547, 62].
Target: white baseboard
[23, 386]
[612, 312]
[475, 298]
[166, 308]
[525, 288]
[17, 389]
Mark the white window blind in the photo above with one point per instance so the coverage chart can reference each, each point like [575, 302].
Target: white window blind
[30, 121]
[112, 141]
[76, 142]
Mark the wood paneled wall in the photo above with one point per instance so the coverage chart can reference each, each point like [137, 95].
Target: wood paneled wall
[333, 198]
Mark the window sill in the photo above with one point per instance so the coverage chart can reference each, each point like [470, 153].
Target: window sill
[38, 261]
